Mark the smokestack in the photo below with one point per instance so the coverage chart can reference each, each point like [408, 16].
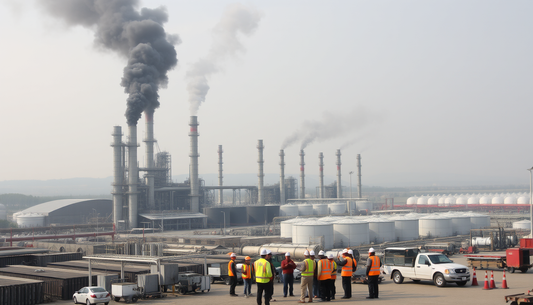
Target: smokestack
[282, 176]
[261, 175]
[195, 187]
[133, 176]
[149, 140]
[220, 191]
[118, 172]
[321, 175]
[359, 176]
[339, 186]
[302, 175]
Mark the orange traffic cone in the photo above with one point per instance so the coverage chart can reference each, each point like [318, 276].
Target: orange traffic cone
[504, 281]
[474, 278]
[492, 284]
[486, 286]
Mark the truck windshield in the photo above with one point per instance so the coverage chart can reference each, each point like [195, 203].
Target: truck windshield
[439, 259]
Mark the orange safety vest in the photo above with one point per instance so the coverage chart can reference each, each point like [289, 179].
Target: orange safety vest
[246, 271]
[230, 271]
[374, 270]
[333, 269]
[347, 269]
[325, 272]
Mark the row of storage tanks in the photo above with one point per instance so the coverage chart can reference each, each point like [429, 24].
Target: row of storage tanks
[334, 208]
[448, 200]
[333, 232]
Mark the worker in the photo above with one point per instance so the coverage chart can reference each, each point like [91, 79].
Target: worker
[349, 265]
[373, 265]
[324, 276]
[332, 289]
[273, 269]
[232, 272]
[287, 268]
[263, 277]
[247, 273]
[308, 271]
[316, 286]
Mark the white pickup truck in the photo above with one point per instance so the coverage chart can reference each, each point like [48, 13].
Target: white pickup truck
[410, 263]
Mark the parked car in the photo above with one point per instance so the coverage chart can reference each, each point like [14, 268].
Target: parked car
[91, 295]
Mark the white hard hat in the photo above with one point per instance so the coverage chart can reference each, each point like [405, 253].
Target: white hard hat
[312, 253]
[345, 251]
[330, 256]
[287, 254]
[350, 251]
[264, 252]
[306, 253]
[371, 250]
[233, 255]
[269, 252]
[321, 252]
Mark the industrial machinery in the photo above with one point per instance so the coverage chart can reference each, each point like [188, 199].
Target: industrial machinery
[193, 282]
[514, 258]
[129, 292]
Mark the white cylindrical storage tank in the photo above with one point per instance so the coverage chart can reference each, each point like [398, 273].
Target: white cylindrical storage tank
[288, 210]
[522, 200]
[3, 212]
[412, 200]
[30, 220]
[337, 208]
[473, 200]
[313, 232]
[331, 219]
[405, 228]
[497, 200]
[285, 227]
[461, 200]
[305, 210]
[320, 209]
[478, 221]
[450, 200]
[433, 201]
[364, 206]
[381, 230]
[435, 226]
[522, 225]
[461, 223]
[510, 200]
[422, 200]
[349, 232]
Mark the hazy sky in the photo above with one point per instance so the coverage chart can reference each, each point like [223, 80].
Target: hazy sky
[428, 92]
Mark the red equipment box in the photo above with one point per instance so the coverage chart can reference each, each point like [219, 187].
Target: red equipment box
[526, 243]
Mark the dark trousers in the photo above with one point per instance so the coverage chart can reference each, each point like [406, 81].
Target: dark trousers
[233, 283]
[324, 290]
[316, 288]
[347, 286]
[332, 288]
[373, 290]
[263, 288]
[288, 283]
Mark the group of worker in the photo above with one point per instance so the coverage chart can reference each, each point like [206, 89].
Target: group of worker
[318, 275]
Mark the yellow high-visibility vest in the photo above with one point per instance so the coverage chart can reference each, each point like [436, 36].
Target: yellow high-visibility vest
[263, 271]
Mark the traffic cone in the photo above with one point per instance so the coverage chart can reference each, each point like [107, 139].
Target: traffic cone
[486, 286]
[504, 281]
[474, 278]
[492, 284]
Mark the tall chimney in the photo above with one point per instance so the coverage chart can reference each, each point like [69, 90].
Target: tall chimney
[339, 186]
[133, 176]
[282, 176]
[220, 191]
[302, 175]
[149, 140]
[321, 175]
[359, 176]
[195, 187]
[261, 175]
[118, 172]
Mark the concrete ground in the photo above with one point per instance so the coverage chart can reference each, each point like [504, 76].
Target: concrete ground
[390, 293]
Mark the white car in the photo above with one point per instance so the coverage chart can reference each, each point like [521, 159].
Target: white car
[91, 295]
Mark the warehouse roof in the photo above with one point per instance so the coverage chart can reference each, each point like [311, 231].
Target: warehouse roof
[47, 207]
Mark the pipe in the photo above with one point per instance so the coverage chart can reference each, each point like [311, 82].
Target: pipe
[296, 251]
[195, 187]
[359, 176]
[302, 175]
[149, 140]
[261, 175]
[321, 175]
[339, 185]
[133, 176]
[220, 191]
[61, 236]
[118, 173]
[282, 176]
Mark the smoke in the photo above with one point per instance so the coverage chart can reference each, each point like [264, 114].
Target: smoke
[237, 20]
[331, 126]
[137, 35]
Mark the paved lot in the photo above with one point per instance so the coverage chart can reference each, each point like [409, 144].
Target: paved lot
[390, 293]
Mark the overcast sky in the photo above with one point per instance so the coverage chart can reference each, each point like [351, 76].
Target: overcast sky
[428, 92]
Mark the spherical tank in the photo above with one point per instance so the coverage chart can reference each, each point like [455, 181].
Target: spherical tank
[381, 230]
[364, 206]
[313, 232]
[405, 228]
[305, 210]
[349, 232]
[272, 211]
[523, 200]
[433, 200]
[411, 200]
[215, 217]
[478, 221]
[497, 200]
[422, 201]
[510, 200]
[435, 226]
[320, 209]
[522, 225]
[485, 200]
[237, 216]
[337, 208]
[257, 214]
[3, 212]
[285, 227]
[461, 200]
[288, 210]
[450, 200]
[442, 201]
[30, 220]
[473, 200]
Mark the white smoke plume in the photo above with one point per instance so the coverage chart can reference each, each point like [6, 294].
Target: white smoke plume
[237, 20]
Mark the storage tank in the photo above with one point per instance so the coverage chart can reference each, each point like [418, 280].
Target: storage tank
[473, 200]
[422, 200]
[460, 222]
[485, 199]
[412, 200]
[450, 200]
[257, 214]
[522, 225]
[364, 206]
[285, 227]
[320, 209]
[497, 200]
[510, 200]
[405, 228]
[349, 232]
[381, 230]
[3, 212]
[305, 210]
[237, 216]
[313, 232]
[461, 200]
[433, 201]
[435, 226]
[337, 208]
[522, 200]
[288, 210]
[442, 200]
[478, 221]
[30, 220]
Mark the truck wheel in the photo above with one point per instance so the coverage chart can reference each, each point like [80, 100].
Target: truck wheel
[439, 280]
[117, 299]
[212, 280]
[134, 299]
[523, 269]
[461, 283]
[510, 269]
[397, 277]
